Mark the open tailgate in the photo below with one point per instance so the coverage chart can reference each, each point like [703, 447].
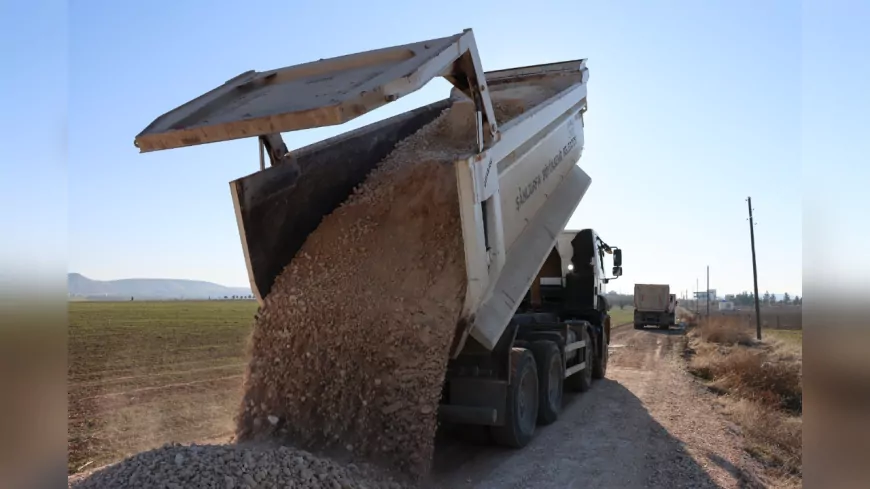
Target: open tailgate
[320, 93]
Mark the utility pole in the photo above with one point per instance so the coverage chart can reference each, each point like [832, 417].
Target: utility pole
[697, 310]
[754, 271]
[708, 290]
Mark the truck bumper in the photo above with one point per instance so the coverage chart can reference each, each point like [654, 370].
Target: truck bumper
[654, 318]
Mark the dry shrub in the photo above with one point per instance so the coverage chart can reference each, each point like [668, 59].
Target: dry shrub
[725, 330]
[765, 383]
[773, 438]
[751, 375]
[688, 317]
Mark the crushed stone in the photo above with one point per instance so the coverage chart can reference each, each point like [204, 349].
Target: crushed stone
[349, 350]
[234, 467]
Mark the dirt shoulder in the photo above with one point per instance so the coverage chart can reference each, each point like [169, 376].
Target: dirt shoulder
[648, 424]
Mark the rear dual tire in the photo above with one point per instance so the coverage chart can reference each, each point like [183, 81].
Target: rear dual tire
[521, 413]
[551, 376]
[537, 387]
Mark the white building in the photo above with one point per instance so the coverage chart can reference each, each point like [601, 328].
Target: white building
[702, 295]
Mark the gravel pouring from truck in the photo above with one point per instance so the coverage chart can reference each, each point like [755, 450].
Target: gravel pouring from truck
[534, 318]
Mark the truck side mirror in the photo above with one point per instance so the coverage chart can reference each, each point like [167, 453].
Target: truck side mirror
[617, 258]
[617, 271]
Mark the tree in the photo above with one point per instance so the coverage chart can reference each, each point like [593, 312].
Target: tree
[744, 299]
[797, 301]
[786, 299]
[766, 297]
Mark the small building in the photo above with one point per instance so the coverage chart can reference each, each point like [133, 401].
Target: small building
[702, 295]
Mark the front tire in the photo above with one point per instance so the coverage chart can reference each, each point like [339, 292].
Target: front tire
[582, 380]
[551, 374]
[521, 411]
[599, 368]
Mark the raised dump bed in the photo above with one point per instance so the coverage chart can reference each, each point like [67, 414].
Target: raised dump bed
[516, 194]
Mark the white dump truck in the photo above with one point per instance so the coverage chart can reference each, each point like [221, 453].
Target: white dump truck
[535, 319]
[654, 305]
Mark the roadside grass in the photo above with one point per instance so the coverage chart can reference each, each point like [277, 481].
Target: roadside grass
[792, 336]
[141, 374]
[724, 331]
[762, 382]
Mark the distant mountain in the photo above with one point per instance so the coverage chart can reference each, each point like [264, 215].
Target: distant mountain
[80, 286]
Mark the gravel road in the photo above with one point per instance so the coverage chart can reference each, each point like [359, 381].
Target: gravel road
[646, 425]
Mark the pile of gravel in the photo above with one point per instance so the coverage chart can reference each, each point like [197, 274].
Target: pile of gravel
[350, 347]
[231, 467]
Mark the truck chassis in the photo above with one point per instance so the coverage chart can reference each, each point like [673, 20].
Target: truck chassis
[520, 384]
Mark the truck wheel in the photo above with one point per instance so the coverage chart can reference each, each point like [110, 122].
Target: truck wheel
[638, 326]
[551, 376]
[599, 367]
[521, 411]
[582, 380]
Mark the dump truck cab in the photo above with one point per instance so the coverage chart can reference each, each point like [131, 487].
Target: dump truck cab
[573, 277]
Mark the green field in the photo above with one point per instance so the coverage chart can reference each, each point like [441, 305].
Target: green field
[621, 316]
[141, 374]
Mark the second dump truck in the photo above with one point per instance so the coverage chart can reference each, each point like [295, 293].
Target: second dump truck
[654, 305]
[535, 320]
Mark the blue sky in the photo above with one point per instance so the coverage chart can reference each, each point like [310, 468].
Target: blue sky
[693, 106]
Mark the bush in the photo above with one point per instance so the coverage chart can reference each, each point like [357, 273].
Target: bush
[750, 375]
[725, 330]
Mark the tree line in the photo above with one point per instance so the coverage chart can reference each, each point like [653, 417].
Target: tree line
[748, 299]
[741, 299]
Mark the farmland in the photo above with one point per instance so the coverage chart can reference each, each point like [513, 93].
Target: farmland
[621, 316]
[141, 374]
